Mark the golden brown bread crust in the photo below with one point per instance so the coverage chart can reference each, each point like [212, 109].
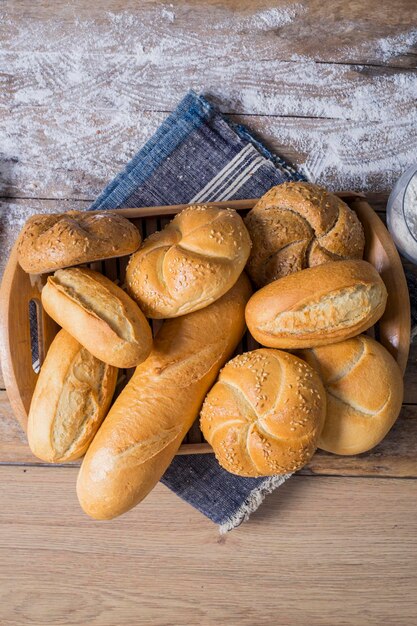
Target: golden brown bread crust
[300, 225]
[50, 242]
[100, 315]
[195, 260]
[148, 421]
[71, 398]
[265, 414]
[364, 390]
[317, 306]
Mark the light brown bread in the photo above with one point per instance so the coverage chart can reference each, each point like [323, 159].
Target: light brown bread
[191, 263]
[148, 421]
[71, 398]
[100, 315]
[317, 306]
[364, 390]
[50, 242]
[300, 225]
[265, 414]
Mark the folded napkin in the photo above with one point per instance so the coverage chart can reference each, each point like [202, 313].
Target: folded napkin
[197, 155]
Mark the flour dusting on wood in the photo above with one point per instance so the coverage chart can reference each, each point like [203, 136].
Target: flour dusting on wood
[80, 97]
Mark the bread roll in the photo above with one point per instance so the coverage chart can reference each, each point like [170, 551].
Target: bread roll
[50, 242]
[99, 314]
[192, 262]
[148, 421]
[265, 414]
[299, 225]
[317, 306]
[71, 398]
[364, 390]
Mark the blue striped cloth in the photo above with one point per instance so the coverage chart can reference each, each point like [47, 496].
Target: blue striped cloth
[197, 155]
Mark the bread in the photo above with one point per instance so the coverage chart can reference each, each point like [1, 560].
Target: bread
[99, 314]
[148, 421]
[191, 263]
[364, 390]
[265, 414]
[50, 242]
[300, 225]
[71, 398]
[317, 306]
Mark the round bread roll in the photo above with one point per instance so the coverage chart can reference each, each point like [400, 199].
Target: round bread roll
[71, 398]
[99, 314]
[317, 306]
[300, 225]
[265, 414]
[364, 390]
[196, 259]
[50, 242]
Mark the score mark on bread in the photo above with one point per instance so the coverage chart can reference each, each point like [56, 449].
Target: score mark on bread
[191, 263]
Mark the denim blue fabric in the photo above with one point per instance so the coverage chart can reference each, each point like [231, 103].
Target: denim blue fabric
[188, 151]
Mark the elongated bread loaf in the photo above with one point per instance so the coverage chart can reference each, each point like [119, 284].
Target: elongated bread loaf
[50, 242]
[191, 263]
[71, 399]
[265, 413]
[364, 390]
[100, 315]
[148, 421]
[317, 306]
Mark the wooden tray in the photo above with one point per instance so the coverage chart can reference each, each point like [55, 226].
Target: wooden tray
[19, 289]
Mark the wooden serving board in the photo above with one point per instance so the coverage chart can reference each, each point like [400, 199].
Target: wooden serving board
[19, 289]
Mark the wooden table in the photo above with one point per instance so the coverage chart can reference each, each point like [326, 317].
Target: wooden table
[337, 543]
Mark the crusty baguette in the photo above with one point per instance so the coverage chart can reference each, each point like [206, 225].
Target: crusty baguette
[265, 413]
[189, 264]
[71, 399]
[364, 389]
[50, 242]
[148, 421]
[100, 315]
[317, 306]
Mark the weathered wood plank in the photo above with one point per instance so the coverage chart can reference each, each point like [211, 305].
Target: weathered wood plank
[395, 456]
[246, 29]
[318, 552]
[83, 89]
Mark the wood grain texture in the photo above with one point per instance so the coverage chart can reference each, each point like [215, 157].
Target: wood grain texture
[394, 457]
[329, 552]
[84, 87]
[320, 551]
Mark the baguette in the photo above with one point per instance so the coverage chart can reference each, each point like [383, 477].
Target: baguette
[71, 398]
[317, 306]
[150, 418]
[100, 315]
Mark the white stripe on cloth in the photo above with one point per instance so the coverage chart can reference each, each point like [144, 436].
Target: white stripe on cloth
[241, 180]
[228, 169]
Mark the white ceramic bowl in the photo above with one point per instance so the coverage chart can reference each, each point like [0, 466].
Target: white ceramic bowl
[402, 214]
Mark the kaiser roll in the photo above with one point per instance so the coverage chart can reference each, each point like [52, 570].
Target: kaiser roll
[265, 414]
[50, 242]
[364, 390]
[317, 306]
[299, 225]
[192, 262]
